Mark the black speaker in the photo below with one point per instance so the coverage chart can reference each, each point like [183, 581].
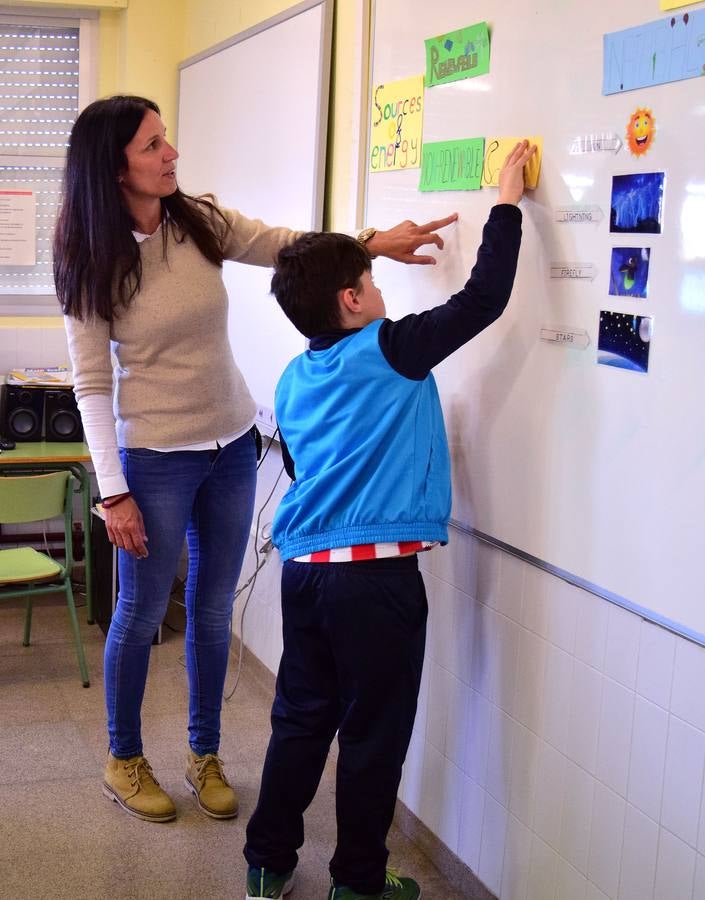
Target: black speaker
[22, 417]
[62, 420]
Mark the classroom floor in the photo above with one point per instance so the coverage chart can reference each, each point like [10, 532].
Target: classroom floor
[60, 838]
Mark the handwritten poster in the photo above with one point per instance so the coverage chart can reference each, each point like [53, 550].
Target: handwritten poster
[452, 165]
[459, 54]
[497, 149]
[397, 121]
[669, 49]
[17, 228]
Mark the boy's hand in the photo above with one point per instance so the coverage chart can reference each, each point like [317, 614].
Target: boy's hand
[402, 241]
[511, 176]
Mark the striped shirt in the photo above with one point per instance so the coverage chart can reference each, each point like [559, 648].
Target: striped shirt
[367, 551]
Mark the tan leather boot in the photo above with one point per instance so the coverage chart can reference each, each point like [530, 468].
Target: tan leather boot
[207, 782]
[131, 784]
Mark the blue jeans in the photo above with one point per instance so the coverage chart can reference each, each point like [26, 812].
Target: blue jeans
[208, 496]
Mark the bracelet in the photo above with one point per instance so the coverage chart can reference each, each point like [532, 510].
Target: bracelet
[113, 501]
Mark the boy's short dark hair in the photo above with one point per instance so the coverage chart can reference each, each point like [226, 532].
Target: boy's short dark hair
[310, 272]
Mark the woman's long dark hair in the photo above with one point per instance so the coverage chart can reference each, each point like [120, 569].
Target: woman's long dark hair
[97, 264]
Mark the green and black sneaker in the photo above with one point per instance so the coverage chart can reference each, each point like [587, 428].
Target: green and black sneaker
[395, 888]
[263, 884]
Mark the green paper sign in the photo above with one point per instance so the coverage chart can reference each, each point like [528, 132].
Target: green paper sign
[452, 165]
[459, 54]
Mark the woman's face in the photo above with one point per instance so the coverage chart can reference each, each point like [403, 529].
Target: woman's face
[151, 169]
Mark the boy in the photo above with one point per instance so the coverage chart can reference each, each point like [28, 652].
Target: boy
[365, 443]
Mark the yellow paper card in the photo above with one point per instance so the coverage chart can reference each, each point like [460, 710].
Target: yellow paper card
[674, 4]
[497, 149]
[397, 123]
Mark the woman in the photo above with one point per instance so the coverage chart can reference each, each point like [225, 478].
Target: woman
[138, 263]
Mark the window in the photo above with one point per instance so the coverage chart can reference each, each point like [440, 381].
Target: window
[45, 79]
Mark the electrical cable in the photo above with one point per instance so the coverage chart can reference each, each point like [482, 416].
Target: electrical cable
[252, 582]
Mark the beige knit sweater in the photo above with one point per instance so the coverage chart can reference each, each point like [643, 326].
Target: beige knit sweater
[176, 379]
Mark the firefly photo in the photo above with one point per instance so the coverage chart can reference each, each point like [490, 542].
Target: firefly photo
[637, 203]
[624, 341]
[629, 271]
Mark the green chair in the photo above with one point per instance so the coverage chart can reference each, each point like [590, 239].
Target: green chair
[25, 572]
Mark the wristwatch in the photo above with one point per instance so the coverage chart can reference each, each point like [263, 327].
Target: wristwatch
[366, 235]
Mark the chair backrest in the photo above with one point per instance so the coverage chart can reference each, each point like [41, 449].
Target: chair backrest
[28, 498]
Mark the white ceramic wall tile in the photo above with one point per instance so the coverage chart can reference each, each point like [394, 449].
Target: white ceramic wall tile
[484, 637]
[8, 349]
[683, 779]
[614, 744]
[675, 868]
[478, 737]
[29, 347]
[437, 715]
[699, 886]
[622, 652]
[576, 821]
[499, 762]
[557, 693]
[456, 563]
[688, 696]
[441, 797]
[648, 757]
[504, 673]
[657, 649]
[606, 839]
[594, 893]
[535, 611]
[494, 836]
[585, 703]
[525, 764]
[550, 795]
[54, 347]
[591, 630]
[517, 859]
[508, 599]
[411, 784]
[565, 601]
[531, 666]
[471, 816]
[638, 868]
[456, 726]
[570, 884]
[488, 565]
[543, 871]
[551, 608]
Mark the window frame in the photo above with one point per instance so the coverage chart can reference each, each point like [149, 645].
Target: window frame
[87, 22]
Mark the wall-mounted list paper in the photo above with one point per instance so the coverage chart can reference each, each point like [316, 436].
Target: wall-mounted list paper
[670, 49]
[497, 149]
[17, 228]
[452, 165]
[459, 54]
[397, 120]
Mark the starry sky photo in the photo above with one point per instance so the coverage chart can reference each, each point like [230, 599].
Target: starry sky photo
[637, 203]
[624, 341]
[629, 271]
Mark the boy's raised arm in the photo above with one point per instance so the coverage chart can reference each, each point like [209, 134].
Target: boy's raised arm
[417, 343]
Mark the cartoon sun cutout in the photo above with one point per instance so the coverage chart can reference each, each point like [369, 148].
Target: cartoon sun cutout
[641, 131]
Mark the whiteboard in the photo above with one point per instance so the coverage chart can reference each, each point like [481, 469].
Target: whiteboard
[595, 471]
[253, 115]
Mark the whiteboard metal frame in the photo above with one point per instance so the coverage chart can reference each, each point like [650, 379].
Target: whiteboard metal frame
[641, 611]
[324, 81]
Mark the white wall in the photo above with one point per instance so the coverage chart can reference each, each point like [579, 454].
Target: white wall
[559, 747]
[28, 341]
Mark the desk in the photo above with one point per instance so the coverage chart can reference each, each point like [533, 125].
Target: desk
[45, 456]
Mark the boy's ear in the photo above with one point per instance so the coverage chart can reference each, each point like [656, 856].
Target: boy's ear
[348, 300]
